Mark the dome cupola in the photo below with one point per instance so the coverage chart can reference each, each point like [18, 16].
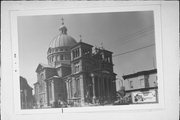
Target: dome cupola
[60, 47]
[63, 39]
[63, 29]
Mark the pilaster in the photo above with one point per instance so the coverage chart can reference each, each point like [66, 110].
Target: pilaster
[93, 84]
[82, 89]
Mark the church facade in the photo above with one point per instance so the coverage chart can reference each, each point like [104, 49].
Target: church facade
[76, 75]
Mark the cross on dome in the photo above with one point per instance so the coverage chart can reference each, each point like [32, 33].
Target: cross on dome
[63, 28]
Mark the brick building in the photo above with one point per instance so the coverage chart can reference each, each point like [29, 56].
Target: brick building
[141, 80]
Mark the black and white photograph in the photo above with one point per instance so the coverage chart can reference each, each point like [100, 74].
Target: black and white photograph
[84, 60]
[89, 60]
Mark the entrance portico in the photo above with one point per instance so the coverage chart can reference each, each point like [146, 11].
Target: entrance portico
[102, 87]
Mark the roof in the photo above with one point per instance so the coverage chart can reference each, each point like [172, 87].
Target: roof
[147, 72]
[101, 50]
[63, 39]
[24, 84]
[45, 65]
[63, 65]
[81, 43]
[42, 66]
[36, 83]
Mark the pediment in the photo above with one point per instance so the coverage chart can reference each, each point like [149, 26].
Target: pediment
[41, 66]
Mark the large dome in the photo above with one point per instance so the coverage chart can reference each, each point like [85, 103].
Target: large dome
[59, 51]
[62, 39]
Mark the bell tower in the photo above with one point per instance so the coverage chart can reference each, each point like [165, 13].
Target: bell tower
[81, 64]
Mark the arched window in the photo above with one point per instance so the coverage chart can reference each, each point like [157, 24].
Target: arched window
[102, 56]
[54, 58]
[67, 57]
[49, 51]
[62, 57]
[42, 76]
[51, 59]
[109, 59]
[76, 67]
[58, 58]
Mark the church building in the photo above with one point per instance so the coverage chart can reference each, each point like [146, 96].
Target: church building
[76, 74]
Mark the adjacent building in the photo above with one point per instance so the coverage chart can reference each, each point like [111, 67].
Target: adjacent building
[142, 86]
[26, 94]
[76, 74]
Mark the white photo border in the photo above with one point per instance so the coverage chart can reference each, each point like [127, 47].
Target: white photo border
[70, 10]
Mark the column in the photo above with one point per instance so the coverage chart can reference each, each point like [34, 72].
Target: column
[93, 84]
[110, 89]
[47, 91]
[99, 90]
[70, 88]
[113, 88]
[107, 82]
[67, 89]
[71, 54]
[102, 88]
[73, 87]
[45, 94]
[81, 89]
[52, 87]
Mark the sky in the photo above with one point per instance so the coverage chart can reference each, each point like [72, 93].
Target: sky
[119, 32]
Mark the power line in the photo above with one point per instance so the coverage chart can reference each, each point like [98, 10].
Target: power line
[144, 30]
[137, 33]
[133, 50]
[134, 39]
[137, 37]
